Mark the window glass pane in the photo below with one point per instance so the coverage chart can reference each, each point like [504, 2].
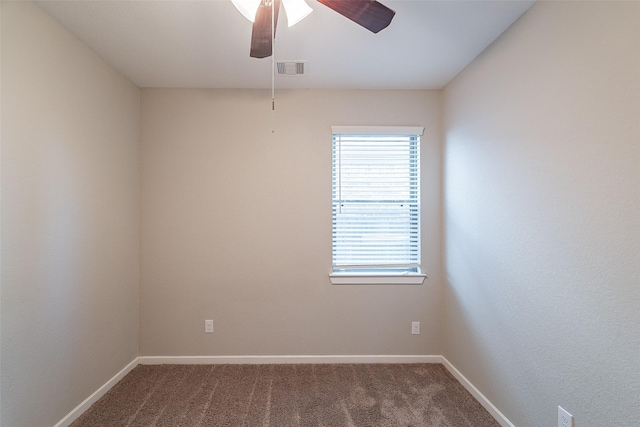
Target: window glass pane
[376, 211]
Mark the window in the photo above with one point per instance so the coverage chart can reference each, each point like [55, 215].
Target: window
[376, 205]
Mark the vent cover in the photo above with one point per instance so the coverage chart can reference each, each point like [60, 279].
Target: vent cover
[290, 68]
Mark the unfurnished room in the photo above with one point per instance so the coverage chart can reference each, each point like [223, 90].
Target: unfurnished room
[359, 213]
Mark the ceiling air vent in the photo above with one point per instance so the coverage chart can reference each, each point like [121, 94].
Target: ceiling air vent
[290, 68]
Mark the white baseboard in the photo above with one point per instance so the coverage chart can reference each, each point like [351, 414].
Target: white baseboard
[495, 413]
[253, 360]
[81, 408]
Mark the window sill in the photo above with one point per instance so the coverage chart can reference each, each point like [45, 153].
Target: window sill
[376, 279]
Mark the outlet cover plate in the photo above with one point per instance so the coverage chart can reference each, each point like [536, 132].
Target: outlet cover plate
[565, 419]
[415, 328]
[208, 326]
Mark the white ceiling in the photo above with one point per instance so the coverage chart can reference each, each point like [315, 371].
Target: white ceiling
[205, 43]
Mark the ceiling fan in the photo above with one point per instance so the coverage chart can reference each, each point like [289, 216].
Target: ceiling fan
[370, 14]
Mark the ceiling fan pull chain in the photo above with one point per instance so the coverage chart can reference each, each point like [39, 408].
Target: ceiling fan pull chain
[273, 64]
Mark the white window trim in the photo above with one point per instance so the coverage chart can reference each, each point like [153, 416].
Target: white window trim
[377, 278]
[379, 130]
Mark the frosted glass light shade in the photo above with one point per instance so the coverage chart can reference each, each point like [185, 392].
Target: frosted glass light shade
[247, 7]
[296, 10]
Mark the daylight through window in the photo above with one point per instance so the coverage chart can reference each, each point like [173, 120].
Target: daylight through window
[376, 200]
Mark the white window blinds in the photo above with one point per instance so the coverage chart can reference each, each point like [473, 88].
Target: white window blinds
[376, 199]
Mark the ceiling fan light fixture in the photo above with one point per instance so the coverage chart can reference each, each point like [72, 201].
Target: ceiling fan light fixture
[247, 7]
[296, 11]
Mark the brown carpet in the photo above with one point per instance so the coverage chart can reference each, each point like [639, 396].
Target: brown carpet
[288, 395]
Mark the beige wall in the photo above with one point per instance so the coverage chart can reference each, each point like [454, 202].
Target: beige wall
[236, 226]
[69, 220]
[542, 201]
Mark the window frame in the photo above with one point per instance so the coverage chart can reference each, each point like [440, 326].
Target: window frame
[376, 277]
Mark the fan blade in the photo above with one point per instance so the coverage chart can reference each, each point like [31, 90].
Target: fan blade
[261, 39]
[370, 14]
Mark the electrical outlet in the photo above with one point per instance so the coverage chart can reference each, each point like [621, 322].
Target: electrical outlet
[415, 328]
[565, 419]
[208, 326]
